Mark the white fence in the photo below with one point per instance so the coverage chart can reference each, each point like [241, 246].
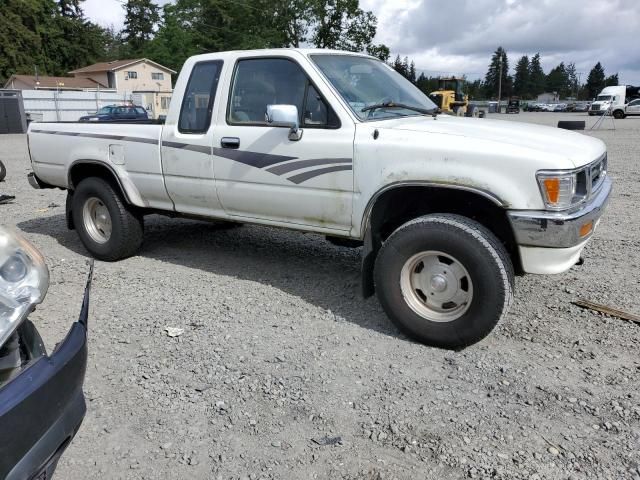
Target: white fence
[69, 106]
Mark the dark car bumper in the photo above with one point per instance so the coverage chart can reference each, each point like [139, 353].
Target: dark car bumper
[42, 407]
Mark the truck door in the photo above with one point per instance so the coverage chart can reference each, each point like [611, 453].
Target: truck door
[187, 163]
[260, 172]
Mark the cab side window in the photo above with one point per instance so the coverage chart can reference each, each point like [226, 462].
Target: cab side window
[197, 104]
[261, 82]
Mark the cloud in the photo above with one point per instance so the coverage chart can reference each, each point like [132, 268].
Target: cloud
[459, 36]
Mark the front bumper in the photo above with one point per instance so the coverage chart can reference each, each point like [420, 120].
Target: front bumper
[551, 242]
[43, 406]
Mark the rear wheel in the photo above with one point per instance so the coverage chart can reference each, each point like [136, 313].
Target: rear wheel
[618, 114]
[107, 226]
[473, 111]
[444, 280]
[3, 171]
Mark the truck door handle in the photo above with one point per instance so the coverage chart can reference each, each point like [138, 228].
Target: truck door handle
[230, 142]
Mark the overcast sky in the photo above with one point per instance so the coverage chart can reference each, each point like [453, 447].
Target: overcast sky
[459, 36]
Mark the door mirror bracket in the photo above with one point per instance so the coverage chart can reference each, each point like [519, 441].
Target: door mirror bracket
[285, 116]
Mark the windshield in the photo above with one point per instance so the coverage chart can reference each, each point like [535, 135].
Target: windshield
[104, 111]
[604, 98]
[363, 82]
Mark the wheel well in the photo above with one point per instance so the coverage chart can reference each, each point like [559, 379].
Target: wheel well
[400, 205]
[81, 170]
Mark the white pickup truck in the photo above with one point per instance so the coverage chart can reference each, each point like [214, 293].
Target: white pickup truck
[447, 209]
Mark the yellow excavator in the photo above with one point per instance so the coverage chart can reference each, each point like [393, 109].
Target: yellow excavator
[451, 99]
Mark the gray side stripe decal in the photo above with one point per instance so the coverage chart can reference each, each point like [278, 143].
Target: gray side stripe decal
[290, 167]
[302, 177]
[253, 159]
[152, 141]
[188, 146]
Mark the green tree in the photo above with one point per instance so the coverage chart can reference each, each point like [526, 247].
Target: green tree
[341, 24]
[70, 8]
[380, 51]
[412, 72]
[537, 78]
[558, 81]
[521, 81]
[612, 81]
[499, 63]
[141, 20]
[595, 80]
[574, 83]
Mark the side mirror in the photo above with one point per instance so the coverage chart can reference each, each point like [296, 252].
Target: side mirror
[285, 116]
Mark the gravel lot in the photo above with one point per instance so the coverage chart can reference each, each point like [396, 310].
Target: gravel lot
[280, 355]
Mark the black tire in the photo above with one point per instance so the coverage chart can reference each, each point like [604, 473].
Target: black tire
[458, 111]
[476, 249]
[127, 226]
[618, 114]
[571, 124]
[3, 172]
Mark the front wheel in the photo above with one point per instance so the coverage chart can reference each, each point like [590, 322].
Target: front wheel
[107, 226]
[445, 280]
[3, 171]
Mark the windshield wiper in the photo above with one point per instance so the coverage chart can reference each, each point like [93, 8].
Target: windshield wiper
[398, 105]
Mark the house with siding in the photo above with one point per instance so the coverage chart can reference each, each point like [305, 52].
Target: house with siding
[141, 75]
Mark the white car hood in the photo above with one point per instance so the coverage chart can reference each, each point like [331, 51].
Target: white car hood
[579, 149]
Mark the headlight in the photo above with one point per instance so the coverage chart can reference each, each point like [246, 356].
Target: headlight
[24, 280]
[561, 190]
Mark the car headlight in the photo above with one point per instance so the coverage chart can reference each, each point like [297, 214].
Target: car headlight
[561, 190]
[24, 280]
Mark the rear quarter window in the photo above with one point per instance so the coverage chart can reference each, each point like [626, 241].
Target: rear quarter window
[199, 96]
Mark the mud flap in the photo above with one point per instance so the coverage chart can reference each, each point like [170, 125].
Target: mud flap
[369, 253]
[68, 210]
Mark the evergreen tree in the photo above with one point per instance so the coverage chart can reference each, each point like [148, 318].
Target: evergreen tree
[70, 8]
[521, 81]
[141, 19]
[572, 76]
[537, 78]
[398, 66]
[558, 81]
[499, 62]
[612, 81]
[595, 80]
[412, 72]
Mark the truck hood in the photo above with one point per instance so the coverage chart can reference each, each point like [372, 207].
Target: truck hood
[577, 148]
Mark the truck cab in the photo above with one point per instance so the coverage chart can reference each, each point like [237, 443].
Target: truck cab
[609, 100]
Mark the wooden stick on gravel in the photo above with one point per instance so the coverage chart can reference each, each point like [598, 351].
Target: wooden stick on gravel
[608, 310]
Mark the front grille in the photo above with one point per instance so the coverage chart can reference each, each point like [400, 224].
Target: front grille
[595, 108]
[597, 172]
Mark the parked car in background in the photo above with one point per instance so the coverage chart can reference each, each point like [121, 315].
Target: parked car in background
[113, 113]
[559, 107]
[582, 107]
[41, 400]
[630, 109]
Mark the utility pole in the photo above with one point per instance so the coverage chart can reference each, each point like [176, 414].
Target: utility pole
[499, 82]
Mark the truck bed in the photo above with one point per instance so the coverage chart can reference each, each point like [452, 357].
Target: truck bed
[130, 149]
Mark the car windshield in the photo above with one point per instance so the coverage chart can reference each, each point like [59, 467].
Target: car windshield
[365, 82]
[604, 98]
[104, 111]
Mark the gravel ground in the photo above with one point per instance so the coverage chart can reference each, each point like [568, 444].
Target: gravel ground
[280, 356]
